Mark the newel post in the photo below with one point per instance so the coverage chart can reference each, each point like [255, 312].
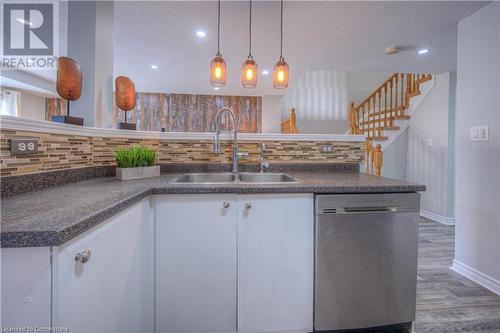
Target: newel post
[353, 120]
[378, 160]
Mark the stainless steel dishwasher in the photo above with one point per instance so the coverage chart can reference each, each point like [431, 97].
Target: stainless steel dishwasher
[365, 260]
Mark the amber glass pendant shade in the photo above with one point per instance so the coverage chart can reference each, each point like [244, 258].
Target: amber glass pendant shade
[280, 74]
[249, 71]
[218, 71]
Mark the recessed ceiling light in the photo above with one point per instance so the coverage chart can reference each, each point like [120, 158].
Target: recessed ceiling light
[154, 66]
[423, 51]
[216, 88]
[201, 34]
[265, 72]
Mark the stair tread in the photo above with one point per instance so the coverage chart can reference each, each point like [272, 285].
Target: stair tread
[376, 121]
[382, 128]
[378, 113]
[378, 138]
[424, 79]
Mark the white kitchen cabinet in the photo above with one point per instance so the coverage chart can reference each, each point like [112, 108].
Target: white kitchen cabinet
[26, 285]
[234, 268]
[175, 264]
[275, 263]
[113, 291]
[196, 263]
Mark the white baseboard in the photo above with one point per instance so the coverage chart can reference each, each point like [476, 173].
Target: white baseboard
[437, 217]
[476, 276]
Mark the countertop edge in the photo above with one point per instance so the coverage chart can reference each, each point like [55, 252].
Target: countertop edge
[22, 239]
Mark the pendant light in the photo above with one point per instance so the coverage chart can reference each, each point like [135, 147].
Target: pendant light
[218, 70]
[249, 68]
[281, 70]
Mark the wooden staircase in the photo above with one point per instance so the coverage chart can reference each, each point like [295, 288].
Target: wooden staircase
[378, 113]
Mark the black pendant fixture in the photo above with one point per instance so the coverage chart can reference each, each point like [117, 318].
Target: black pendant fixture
[281, 69]
[249, 68]
[218, 68]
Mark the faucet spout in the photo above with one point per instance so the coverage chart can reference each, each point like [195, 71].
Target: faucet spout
[235, 134]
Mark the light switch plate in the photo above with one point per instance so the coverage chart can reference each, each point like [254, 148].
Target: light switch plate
[479, 133]
[23, 146]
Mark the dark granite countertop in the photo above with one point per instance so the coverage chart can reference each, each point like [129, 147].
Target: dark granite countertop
[53, 216]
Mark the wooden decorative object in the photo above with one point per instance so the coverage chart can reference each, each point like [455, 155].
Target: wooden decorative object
[69, 87]
[125, 98]
[353, 120]
[378, 160]
[289, 126]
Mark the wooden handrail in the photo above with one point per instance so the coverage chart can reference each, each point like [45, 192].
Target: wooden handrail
[377, 112]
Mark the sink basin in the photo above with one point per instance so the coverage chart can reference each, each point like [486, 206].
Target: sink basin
[266, 178]
[245, 177]
[201, 178]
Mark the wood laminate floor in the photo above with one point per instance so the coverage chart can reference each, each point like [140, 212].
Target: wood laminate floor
[446, 301]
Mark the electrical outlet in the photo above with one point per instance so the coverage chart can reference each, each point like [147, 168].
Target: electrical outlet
[479, 133]
[23, 146]
[326, 149]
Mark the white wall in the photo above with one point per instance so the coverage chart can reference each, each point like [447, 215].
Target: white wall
[32, 106]
[320, 99]
[271, 113]
[81, 47]
[424, 152]
[361, 84]
[90, 43]
[477, 164]
[395, 162]
[104, 48]
[429, 155]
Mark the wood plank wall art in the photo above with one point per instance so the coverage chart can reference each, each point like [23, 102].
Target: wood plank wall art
[55, 107]
[180, 112]
[191, 113]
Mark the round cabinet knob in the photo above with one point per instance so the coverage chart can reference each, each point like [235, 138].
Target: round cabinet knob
[83, 257]
[248, 205]
[226, 204]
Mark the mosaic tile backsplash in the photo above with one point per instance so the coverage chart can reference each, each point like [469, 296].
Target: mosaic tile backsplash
[61, 152]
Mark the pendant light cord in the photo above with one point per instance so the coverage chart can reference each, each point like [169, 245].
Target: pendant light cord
[218, 27]
[250, 32]
[281, 46]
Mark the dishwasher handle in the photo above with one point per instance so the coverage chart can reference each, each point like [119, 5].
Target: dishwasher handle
[369, 209]
[358, 210]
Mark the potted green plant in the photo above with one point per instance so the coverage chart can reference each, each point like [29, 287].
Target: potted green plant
[136, 162]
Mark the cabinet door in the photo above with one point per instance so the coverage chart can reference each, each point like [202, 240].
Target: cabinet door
[113, 291]
[25, 281]
[196, 264]
[275, 263]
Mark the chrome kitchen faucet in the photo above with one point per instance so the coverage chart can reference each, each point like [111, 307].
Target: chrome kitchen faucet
[217, 147]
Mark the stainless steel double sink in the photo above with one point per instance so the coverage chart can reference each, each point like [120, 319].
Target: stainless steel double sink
[243, 177]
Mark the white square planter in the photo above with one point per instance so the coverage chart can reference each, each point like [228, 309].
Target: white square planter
[138, 173]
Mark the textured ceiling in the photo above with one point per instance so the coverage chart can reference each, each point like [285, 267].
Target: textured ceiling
[317, 35]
